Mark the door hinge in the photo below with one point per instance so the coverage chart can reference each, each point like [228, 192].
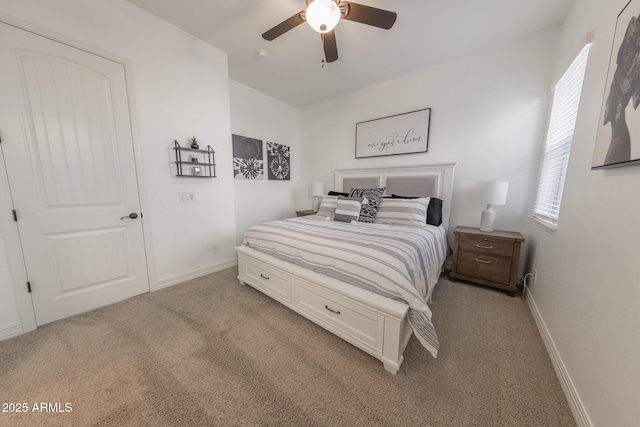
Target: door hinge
[15, 215]
[29, 286]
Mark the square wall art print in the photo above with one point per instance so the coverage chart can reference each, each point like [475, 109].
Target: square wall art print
[248, 162]
[278, 162]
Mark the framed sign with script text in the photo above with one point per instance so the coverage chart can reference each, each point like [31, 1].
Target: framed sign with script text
[400, 134]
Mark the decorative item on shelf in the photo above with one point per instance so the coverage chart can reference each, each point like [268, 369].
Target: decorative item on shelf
[193, 159]
[316, 190]
[193, 143]
[195, 171]
[490, 193]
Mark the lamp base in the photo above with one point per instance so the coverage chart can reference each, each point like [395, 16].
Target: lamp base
[487, 219]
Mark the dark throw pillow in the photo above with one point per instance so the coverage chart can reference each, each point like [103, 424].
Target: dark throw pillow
[434, 211]
[373, 196]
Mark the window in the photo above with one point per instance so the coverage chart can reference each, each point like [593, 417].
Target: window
[557, 146]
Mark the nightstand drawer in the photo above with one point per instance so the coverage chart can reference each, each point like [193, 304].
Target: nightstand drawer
[486, 246]
[482, 266]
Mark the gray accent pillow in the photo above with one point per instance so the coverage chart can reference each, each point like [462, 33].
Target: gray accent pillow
[373, 195]
[348, 209]
[327, 206]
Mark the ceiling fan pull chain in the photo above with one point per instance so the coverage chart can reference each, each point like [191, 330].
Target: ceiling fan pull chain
[322, 61]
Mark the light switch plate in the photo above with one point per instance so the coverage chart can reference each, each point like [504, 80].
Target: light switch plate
[187, 196]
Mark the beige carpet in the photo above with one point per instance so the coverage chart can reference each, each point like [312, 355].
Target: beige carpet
[214, 352]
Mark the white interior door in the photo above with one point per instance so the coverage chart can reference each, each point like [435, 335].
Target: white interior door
[67, 144]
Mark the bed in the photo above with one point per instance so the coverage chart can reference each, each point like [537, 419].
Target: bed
[372, 287]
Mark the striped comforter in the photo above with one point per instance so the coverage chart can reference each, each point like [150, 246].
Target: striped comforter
[398, 262]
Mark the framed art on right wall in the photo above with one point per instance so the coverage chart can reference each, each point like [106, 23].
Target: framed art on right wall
[618, 137]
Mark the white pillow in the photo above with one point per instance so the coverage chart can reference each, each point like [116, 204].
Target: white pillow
[403, 211]
[328, 206]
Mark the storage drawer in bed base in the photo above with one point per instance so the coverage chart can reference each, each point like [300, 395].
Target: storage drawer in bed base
[371, 322]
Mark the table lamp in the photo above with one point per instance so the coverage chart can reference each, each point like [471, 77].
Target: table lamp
[316, 190]
[490, 193]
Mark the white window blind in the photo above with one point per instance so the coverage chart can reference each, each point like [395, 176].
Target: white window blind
[557, 147]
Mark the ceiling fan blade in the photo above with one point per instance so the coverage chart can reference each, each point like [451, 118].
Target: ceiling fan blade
[284, 26]
[330, 46]
[368, 15]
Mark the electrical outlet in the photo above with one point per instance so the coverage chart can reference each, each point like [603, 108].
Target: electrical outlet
[535, 275]
[216, 249]
[187, 196]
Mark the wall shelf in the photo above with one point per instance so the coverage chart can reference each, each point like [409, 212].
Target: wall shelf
[202, 163]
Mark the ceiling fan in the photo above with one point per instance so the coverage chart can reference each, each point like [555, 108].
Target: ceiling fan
[324, 15]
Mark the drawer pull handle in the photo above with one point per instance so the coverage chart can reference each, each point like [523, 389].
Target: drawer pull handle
[484, 247]
[483, 261]
[333, 311]
[263, 276]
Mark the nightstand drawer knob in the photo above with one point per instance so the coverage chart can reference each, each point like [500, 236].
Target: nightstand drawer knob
[483, 261]
[484, 247]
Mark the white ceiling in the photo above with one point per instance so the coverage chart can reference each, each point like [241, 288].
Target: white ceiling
[426, 32]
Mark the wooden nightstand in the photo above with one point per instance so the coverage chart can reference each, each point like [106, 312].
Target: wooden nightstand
[488, 258]
[305, 212]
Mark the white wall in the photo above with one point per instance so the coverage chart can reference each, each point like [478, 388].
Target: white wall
[488, 114]
[181, 88]
[587, 292]
[256, 115]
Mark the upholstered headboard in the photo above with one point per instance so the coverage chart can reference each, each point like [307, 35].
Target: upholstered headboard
[425, 181]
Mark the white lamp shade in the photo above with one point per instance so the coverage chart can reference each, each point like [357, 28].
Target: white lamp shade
[322, 15]
[316, 189]
[492, 192]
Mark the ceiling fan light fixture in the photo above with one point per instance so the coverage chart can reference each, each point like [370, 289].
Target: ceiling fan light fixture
[323, 15]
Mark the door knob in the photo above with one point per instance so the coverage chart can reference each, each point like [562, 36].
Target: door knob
[132, 215]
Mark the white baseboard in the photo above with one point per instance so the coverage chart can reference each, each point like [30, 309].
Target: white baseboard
[194, 274]
[10, 331]
[570, 392]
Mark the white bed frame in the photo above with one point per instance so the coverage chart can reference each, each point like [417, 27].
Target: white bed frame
[371, 322]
